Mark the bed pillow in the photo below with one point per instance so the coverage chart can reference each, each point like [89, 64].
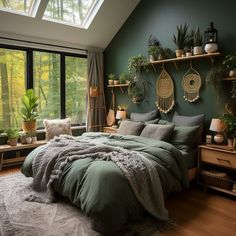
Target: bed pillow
[152, 115]
[155, 121]
[179, 120]
[56, 127]
[129, 127]
[183, 137]
[164, 122]
[158, 132]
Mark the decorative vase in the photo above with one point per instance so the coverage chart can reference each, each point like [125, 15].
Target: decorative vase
[28, 140]
[197, 50]
[116, 82]
[211, 47]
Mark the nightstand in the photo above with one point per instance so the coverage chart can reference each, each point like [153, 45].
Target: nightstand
[110, 129]
[217, 168]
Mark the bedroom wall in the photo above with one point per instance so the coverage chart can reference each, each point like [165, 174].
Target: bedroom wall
[160, 17]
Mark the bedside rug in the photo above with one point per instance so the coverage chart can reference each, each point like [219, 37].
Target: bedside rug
[23, 218]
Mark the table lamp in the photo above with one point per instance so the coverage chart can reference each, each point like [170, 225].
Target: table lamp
[217, 126]
[120, 115]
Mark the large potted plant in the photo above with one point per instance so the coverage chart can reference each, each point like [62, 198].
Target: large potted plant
[182, 39]
[29, 110]
[229, 120]
[12, 135]
[197, 42]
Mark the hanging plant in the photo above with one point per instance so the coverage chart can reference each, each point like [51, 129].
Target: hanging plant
[137, 64]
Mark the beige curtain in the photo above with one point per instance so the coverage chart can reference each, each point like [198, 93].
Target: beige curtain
[96, 109]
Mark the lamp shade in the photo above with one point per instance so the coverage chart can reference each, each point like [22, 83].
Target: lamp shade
[121, 114]
[217, 125]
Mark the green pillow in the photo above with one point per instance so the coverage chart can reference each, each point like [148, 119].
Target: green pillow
[183, 137]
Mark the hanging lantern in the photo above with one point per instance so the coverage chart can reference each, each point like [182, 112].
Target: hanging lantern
[211, 39]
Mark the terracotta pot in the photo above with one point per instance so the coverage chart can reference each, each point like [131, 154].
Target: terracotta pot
[13, 141]
[179, 53]
[94, 91]
[29, 126]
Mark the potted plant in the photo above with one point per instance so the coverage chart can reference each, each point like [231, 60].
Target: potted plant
[182, 39]
[137, 64]
[197, 41]
[111, 78]
[29, 110]
[229, 120]
[12, 135]
[230, 64]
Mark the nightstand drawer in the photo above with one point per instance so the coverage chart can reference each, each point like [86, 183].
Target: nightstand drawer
[226, 159]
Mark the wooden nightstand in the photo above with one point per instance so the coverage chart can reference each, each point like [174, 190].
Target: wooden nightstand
[217, 159]
[110, 129]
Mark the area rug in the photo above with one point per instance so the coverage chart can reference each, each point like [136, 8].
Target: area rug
[23, 218]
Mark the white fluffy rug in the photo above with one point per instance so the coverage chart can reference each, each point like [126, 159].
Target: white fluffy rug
[23, 218]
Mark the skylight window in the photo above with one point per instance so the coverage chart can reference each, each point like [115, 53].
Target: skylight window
[78, 13]
[25, 7]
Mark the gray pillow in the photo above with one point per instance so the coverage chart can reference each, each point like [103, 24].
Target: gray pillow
[188, 120]
[128, 127]
[183, 137]
[179, 120]
[158, 132]
[144, 116]
[155, 121]
[164, 122]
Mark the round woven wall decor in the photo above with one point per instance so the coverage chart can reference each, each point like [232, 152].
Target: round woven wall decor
[165, 92]
[191, 84]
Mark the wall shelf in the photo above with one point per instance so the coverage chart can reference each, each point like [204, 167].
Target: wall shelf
[230, 78]
[211, 56]
[121, 86]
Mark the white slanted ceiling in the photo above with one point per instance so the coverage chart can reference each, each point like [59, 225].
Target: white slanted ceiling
[104, 26]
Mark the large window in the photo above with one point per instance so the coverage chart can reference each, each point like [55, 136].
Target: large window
[76, 74]
[59, 80]
[12, 86]
[47, 85]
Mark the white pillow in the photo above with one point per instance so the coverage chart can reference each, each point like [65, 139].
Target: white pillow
[57, 127]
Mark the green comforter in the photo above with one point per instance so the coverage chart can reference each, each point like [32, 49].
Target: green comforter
[101, 190]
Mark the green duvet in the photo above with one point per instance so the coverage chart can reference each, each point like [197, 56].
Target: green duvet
[101, 190]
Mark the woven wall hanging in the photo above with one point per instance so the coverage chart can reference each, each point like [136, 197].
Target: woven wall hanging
[191, 84]
[165, 92]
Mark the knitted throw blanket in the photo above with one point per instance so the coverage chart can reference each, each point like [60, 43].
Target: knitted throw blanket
[141, 174]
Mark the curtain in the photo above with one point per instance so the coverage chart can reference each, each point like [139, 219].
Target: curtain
[96, 106]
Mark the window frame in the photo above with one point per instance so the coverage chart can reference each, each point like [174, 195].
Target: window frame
[30, 71]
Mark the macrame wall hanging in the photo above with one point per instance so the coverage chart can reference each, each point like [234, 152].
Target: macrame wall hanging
[191, 84]
[165, 92]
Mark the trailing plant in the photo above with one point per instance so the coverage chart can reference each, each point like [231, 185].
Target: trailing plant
[183, 37]
[124, 77]
[137, 63]
[215, 77]
[197, 37]
[30, 104]
[230, 61]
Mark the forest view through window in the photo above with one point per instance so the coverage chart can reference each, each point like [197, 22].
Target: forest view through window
[58, 79]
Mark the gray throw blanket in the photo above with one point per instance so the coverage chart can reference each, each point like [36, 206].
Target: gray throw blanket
[141, 174]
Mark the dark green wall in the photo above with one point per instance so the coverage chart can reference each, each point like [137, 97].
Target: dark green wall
[160, 17]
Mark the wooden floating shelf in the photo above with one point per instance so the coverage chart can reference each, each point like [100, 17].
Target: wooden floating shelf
[230, 78]
[117, 85]
[176, 59]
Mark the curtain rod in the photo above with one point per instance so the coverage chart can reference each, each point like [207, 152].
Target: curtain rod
[45, 44]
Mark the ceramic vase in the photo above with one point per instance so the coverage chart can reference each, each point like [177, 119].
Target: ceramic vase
[211, 47]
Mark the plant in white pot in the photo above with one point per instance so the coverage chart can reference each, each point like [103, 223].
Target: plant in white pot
[111, 78]
[182, 39]
[197, 42]
[29, 110]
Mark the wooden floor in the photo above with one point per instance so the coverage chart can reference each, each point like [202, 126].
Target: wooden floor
[197, 213]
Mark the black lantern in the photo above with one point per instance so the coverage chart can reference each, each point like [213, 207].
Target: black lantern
[211, 34]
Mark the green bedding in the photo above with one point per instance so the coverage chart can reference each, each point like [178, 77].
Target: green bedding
[101, 190]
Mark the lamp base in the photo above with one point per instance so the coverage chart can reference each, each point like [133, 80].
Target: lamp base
[219, 138]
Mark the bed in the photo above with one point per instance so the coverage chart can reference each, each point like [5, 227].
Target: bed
[116, 178]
